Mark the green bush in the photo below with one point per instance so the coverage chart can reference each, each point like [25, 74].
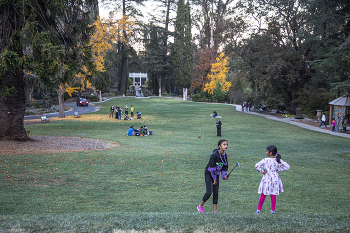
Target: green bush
[201, 97]
[94, 98]
[164, 94]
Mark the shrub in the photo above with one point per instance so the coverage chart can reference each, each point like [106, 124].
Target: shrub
[93, 98]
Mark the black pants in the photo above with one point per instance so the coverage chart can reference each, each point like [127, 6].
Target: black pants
[218, 131]
[211, 188]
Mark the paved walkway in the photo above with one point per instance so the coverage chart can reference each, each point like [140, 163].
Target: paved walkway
[293, 121]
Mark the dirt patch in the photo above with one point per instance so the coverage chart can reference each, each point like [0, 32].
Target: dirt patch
[54, 144]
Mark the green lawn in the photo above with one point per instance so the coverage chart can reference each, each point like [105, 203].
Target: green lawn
[156, 182]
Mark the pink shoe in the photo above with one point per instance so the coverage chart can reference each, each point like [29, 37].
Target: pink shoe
[200, 209]
[216, 212]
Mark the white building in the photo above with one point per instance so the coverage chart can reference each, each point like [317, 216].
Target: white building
[138, 79]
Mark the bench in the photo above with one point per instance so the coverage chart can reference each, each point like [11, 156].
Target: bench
[272, 111]
[43, 118]
[76, 114]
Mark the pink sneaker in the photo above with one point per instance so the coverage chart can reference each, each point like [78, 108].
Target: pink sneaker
[200, 209]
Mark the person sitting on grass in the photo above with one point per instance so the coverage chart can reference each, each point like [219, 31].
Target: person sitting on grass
[143, 130]
[132, 131]
[214, 114]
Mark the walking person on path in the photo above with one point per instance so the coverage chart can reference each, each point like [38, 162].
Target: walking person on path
[271, 183]
[217, 163]
[218, 127]
[323, 121]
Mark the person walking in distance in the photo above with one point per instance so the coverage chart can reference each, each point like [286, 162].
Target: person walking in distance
[218, 127]
[323, 121]
[333, 125]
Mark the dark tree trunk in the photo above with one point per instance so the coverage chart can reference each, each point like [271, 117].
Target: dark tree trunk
[61, 113]
[12, 108]
[124, 58]
[12, 98]
[124, 68]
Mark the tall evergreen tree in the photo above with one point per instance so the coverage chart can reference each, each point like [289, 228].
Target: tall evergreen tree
[48, 38]
[157, 61]
[129, 9]
[182, 50]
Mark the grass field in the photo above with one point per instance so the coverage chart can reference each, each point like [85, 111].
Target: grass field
[155, 183]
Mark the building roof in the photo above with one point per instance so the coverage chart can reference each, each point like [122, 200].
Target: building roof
[341, 101]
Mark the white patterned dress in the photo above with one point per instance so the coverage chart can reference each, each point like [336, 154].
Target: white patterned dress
[271, 183]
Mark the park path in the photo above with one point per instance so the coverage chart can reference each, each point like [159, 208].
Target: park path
[293, 121]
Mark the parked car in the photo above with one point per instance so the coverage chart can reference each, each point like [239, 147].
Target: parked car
[82, 102]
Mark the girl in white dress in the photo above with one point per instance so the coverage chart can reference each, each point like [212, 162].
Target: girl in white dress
[271, 183]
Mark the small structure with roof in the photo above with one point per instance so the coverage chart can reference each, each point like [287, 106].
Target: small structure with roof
[339, 107]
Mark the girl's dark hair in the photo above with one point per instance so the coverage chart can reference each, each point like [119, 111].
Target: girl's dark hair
[273, 150]
[219, 143]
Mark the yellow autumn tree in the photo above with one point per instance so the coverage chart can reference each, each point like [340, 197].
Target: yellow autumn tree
[219, 69]
[107, 32]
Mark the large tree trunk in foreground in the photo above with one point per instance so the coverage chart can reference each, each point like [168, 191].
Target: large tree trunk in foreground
[12, 107]
[12, 98]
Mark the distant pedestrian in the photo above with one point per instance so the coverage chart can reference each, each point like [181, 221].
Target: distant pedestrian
[323, 121]
[345, 124]
[132, 111]
[119, 113]
[243, 106]
[218, 127]
[126, 109]
[116, 112]
[337, 124]
[112, 112]
[333, 125]
[250, 106]
[271, 183]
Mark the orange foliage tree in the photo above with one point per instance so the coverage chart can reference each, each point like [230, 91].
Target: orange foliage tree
[203, 61]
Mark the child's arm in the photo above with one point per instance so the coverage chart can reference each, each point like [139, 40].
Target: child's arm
[283, 166]
[224, 170]
[212, 167]
[259, 166]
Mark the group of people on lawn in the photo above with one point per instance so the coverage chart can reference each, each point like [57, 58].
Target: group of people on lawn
[118, 112]
[143, 131]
